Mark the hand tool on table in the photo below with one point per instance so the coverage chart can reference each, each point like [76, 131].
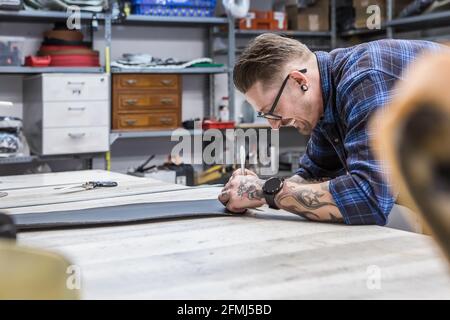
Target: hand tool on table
[92, 185]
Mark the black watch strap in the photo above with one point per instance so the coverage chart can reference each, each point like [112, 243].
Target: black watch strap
[270, 199]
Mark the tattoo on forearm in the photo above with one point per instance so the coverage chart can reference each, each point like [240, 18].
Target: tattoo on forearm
[302, 201]
[309, 198]
[251, 189]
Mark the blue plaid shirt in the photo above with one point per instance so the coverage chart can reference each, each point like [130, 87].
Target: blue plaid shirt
[356, 81]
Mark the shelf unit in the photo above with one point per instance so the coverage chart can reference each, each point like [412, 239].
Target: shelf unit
[116, 134]
[35, 158]
[199, 70]
[421, 21]
[389, 28]
[396, 25]
[290, 33]
[137, 20]
[44, 16]
[33, 70]
[134, 19]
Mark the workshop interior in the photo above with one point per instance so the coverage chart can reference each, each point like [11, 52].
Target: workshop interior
[97, 97]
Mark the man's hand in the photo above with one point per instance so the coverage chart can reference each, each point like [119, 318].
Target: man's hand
[242, 192]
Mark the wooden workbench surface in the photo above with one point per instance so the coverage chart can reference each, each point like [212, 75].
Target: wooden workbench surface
[264, 254]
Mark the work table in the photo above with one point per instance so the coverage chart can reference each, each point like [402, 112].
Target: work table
[264, 254]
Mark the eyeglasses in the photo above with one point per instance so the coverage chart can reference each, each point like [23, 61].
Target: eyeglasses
[270, 115]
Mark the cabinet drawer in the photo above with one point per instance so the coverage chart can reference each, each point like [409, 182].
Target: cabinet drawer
[76, 114]
[75, 140]
[146, 81]
[75, 87]
[136, 102]
[169, 120]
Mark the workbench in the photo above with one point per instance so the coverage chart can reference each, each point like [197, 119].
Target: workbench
[264, 254]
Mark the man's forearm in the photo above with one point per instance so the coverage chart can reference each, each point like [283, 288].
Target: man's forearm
[309, 199]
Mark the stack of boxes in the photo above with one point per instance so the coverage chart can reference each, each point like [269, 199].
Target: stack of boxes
[316, 17]
[313, 18]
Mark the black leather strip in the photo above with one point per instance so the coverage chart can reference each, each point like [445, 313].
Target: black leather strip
[7, 227]
[123, 214]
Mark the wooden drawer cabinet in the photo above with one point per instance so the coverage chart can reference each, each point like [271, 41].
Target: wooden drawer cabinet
[159, 121]
[146, 81]
[146, 102]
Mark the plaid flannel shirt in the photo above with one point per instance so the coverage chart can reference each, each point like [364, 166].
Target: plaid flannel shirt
[355, 82]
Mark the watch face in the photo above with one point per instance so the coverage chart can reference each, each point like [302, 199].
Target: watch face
[273, 185]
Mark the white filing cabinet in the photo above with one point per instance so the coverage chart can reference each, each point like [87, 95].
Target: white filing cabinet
[66, 113]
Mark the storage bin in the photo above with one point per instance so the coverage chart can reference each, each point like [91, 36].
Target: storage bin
[174, 8]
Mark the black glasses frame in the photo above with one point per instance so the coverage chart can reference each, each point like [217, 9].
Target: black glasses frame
[270, 115]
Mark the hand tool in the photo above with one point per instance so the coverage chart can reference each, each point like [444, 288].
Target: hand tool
[92, 185]
[242, 156]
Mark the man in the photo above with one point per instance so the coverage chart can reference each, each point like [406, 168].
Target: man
[329, 96]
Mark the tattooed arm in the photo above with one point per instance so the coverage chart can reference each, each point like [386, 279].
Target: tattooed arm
[309, 199]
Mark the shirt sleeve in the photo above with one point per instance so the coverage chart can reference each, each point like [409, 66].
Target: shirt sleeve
[364, 194]
[320, 159]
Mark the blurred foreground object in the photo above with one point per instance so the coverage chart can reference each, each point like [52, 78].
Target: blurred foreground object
[413, 136]
[27, 273]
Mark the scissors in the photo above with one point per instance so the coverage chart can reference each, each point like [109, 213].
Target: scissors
[93, 185]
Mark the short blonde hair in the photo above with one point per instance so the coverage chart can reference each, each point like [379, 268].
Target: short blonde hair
[264, 59]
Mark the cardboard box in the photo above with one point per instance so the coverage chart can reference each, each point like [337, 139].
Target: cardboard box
[314, 18]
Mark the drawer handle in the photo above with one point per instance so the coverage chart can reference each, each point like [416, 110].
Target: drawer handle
[77, 135]
[77, 108]
[167, 101]
[76, 83]
[165, 120]
[167, 82]
[131, 81]
[130, 122]
[131, 102]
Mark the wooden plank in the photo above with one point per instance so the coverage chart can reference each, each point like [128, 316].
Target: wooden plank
[240, 258]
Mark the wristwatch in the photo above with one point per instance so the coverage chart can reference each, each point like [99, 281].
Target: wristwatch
[270, 189]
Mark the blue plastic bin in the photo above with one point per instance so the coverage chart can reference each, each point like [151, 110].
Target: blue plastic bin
[177, 3]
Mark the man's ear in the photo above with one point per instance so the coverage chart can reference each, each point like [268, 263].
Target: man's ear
[299, 77]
